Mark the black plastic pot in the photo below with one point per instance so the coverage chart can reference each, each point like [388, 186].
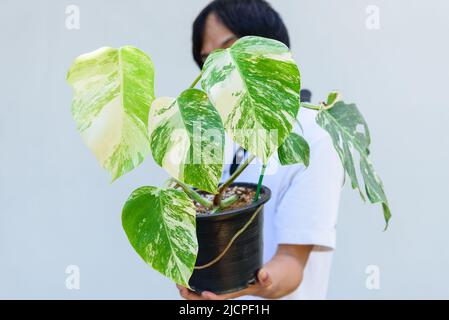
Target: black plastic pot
[238, 267]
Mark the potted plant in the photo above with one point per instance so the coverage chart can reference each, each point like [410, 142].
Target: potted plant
[194, 230]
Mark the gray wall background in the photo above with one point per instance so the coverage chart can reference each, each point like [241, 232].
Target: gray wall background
[57, 207]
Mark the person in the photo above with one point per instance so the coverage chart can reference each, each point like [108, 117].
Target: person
[300, 219]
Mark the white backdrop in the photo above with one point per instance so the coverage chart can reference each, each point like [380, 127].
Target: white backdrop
[57, 207]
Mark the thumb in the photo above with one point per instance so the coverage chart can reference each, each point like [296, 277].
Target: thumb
[264, 278]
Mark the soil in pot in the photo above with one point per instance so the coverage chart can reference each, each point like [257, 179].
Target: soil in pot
[238, 267]
[246, 197]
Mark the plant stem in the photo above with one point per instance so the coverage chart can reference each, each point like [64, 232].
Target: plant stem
[310, 106]
[227, 202]
[321, 106]
[194, 195]
[225, 185]
[259, 184]
[196, 80]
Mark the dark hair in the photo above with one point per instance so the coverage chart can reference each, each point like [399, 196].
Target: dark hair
[243, 18]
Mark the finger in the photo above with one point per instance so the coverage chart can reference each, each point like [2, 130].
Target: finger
[212, 296]
[264, 278]
[188, 295]
[207, 295]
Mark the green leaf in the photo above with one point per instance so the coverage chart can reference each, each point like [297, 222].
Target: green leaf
[295, 149]
[332, 98]
[112, 93]
[255, 87]
[161, 226]
[349, 133]
[187, 139]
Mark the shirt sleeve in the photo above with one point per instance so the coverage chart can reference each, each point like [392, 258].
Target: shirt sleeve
[307, 212]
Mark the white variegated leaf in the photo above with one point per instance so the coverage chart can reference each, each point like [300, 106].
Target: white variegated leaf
[161, 227]
[294, 150]
[255, 87]
[112, 93]
[187, 138]
[350, 134]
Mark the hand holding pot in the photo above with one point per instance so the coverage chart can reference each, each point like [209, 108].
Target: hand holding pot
[260, 288]
[279, 277]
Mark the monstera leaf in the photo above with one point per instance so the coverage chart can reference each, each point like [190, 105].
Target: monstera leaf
[187, 138]
[255, 87]
[113, 90]
[161, 226]
[349, 133]
[295, 149]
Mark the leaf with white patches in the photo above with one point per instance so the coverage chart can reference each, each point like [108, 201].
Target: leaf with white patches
[349, 133]
[161, 227]
[255, 87]
[187, 139]
[112, 93]
[294, 150]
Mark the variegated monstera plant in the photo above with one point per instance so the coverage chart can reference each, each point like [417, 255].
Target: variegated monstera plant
[250, 90]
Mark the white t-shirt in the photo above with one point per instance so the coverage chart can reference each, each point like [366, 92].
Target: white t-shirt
[304, 204]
